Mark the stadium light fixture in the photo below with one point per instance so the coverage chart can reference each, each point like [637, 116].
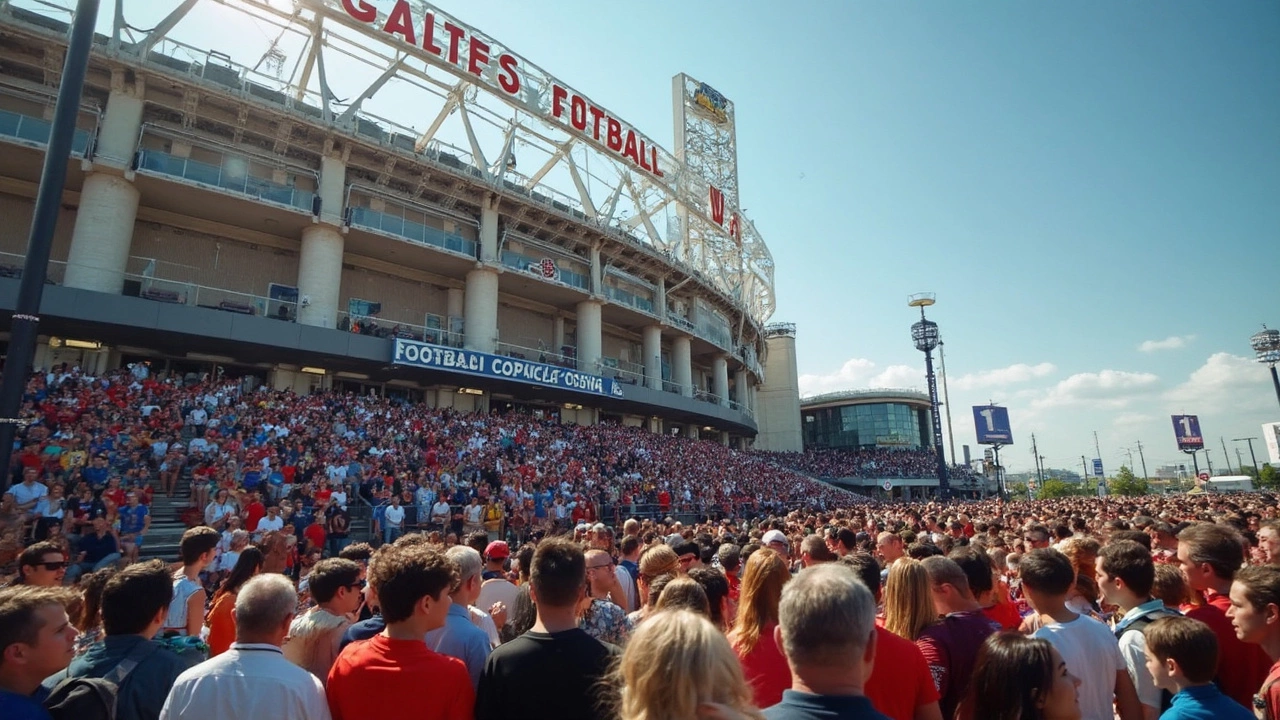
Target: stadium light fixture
[925, 336]
[1266, 345]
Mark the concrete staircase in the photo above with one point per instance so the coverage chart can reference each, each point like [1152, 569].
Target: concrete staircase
[166, 523]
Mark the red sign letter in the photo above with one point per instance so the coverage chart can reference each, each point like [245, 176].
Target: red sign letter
[613, 135]
[558, 95]
[429, 34]
[360, 10]
[717, 205]
[477, 55]
[508, 79]
[578, 112]
[400, 22]
[455, 35]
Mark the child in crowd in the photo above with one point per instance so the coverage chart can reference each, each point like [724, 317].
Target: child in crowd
[1182, 657]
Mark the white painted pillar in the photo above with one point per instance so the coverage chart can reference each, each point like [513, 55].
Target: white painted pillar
[741, 392]
[103, 234]
[682, 365]
[480, 314]
[320, 258]
[557, 334]
[653, 357]
[320, 275]
[590, 336]
[691, 432]
[455, 304]
[597, 272]
[489, 232]
[40, 362]
[661, 300]
[724, 438]
[720, 379]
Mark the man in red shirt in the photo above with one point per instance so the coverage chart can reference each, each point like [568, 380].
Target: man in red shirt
[1209, 555]
[1255, 615]
[253, 512]
[412, 583]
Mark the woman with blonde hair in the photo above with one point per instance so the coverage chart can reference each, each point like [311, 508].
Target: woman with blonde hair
[908, 599]
[655, 561]
[753, 634]
[678, 666]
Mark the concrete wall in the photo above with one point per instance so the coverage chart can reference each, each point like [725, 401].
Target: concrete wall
[778, 397]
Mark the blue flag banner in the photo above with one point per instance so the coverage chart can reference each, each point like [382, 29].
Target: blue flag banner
[471, 362]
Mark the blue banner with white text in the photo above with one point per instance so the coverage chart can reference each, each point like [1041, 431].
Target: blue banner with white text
[471, 362]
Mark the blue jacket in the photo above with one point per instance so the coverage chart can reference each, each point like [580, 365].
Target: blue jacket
[1205, 702]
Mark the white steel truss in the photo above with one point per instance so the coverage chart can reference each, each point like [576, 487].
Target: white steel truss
[364, 75]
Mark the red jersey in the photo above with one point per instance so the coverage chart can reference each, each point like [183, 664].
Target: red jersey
[766, 669]
[1242, 667]
[413, 682]
[1269, 693]
[315, 534]
[253, 513]
[900, 681]
[1005, 613]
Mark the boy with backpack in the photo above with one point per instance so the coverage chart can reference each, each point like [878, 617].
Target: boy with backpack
[1125, 575]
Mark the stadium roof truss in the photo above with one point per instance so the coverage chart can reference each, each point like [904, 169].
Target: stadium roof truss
[355, 73]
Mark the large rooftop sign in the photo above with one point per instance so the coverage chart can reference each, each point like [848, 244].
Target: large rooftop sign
[448, 43]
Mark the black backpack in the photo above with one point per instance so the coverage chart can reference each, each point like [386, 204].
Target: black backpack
[84, 698]
[1138, 625]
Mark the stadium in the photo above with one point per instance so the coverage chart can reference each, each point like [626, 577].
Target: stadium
[379, 198]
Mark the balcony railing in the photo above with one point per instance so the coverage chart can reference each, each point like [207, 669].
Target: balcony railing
[35, 131]
[538, 354]
[410, 230]
[619, 295]
[223, 178]
[391, 329]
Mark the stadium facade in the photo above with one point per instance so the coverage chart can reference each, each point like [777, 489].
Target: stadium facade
[381, 198]
[867, 420]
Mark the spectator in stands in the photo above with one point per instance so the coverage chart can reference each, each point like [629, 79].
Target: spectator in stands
[1182, 658]
[252, 679]
[1269, 541]
[336, 586]
[1209, 555]
[459, 637]
[951, 645]
[1020, 678]
[1255, 615]
[197, 548]
[221, 619]
[135, 602]
[1090, 650]
[98, 549]
[37, 640]
[678, 665]
[412, 583]
[42, 565]
[901, 685]
[753, 630]
[826, 626]
[1125, 574]
[528, 671]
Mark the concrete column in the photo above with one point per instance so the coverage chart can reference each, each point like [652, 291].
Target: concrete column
[320, 275]
[282, 379]
[118, 134]
[653, 357]
[682, 365]
[720, 379]
[724, 438]
[103, 234]
[590, 338]
[655, 425]
[660, 301]
[489, 232]
[557, 334]
[691, 432]
[332, 189]
[480, 314]
[40, 362]
[597, 272]
[454, 302]
[741, 392]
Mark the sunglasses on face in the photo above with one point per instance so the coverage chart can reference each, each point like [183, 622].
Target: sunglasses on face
[54, 566]
[357, 585]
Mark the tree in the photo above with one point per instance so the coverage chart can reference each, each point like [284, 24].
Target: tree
[1018, 491]
[1126, 483]
[1054, 488]
[1269, 478]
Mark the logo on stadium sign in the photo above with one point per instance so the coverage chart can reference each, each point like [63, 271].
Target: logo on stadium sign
[1186, 428]
[548, 268]
[471, 362]
[711, 102]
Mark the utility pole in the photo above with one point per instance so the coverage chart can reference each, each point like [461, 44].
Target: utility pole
[1239, 461]
[1084, 466]
[1209, 461]
[1257, 471]
[1035, 454]
[25, 325]
[1144, 462]
[1225, 457]
[946, 401]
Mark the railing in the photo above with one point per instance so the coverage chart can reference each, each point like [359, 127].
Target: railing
[538, 354]
[617, 294]
[672, 387]
[416, 232]
[391, 329]
[219, 176]
[524, 263]
[35, 131]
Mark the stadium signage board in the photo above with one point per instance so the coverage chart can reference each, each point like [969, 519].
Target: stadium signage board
[1186, 428]
[470, 362]
[992, 425]
[452, 45]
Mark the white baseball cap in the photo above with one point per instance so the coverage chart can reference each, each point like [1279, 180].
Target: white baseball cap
[775, 536]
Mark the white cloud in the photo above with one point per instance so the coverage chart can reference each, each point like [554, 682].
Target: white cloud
[1000, 377]
[855, 372]
[1173, 342]
[1106, 388]
[1131, 420]
[1224, 383]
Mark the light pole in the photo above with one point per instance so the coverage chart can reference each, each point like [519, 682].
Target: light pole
[925, 336]
[1256, 471]
[1267, 346]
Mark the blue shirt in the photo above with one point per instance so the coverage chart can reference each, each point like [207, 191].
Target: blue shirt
[132, 518]
[20, 707]
[1205, 702]
[805, 706]
[460, 638]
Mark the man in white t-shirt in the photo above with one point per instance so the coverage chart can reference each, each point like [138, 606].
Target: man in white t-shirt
[28, 492]
[272, 521]
[392, 521]
[440, 513]
[1088, 647]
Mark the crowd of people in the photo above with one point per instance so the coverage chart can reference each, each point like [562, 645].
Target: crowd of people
[586, 572]
[874, 463]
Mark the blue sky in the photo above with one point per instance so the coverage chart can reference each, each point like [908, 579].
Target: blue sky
[1073, 180]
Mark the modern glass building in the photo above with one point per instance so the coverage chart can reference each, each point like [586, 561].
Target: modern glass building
[865, 419]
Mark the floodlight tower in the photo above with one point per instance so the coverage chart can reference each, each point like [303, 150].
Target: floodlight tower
[1267, 345]
[925, 336]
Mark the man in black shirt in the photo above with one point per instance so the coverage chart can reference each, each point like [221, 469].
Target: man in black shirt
[555, 667]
